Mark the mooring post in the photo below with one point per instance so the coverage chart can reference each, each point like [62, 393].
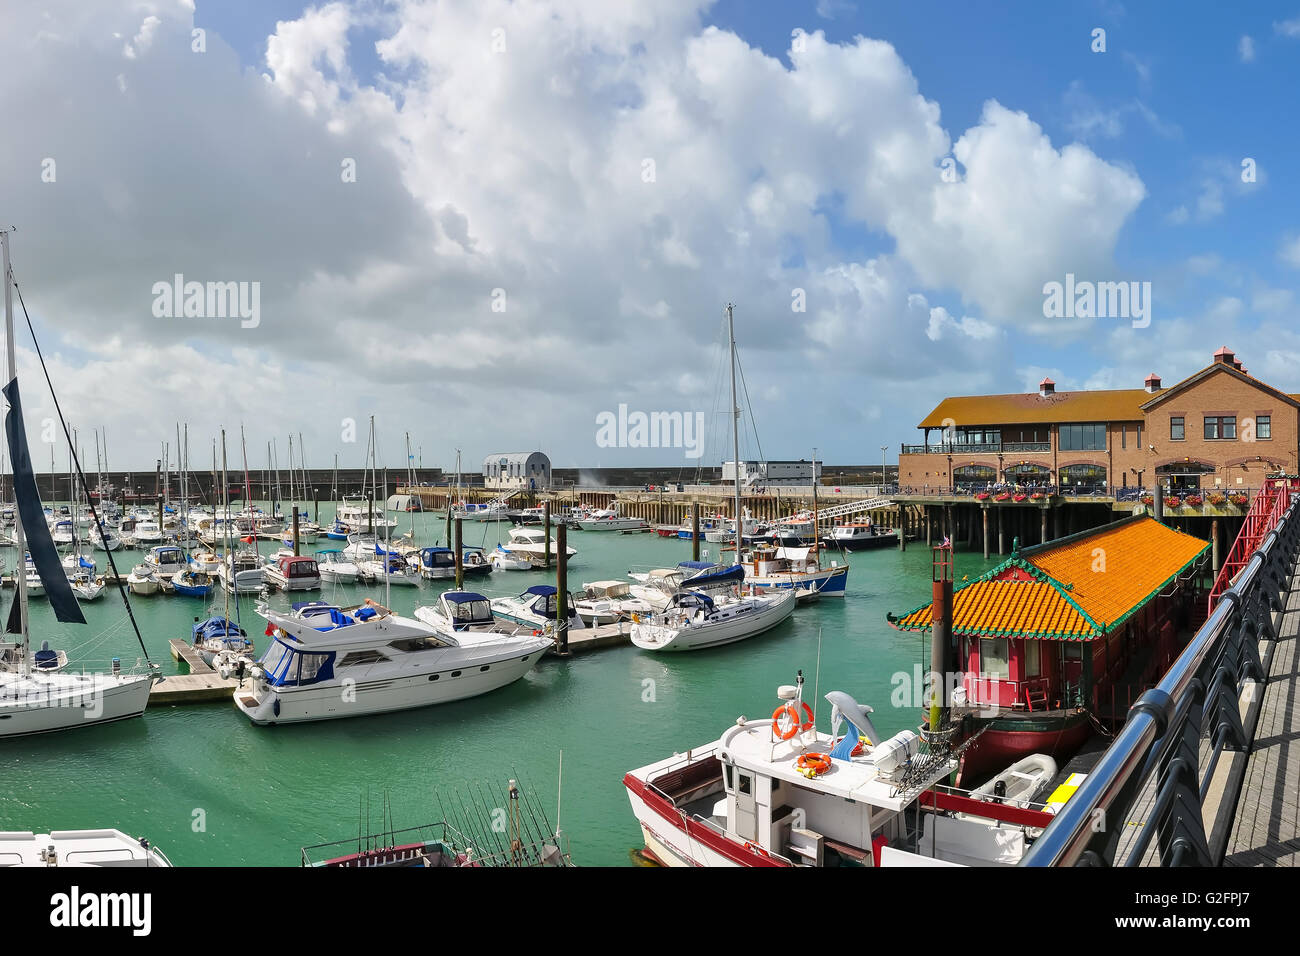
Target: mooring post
[562, 590]
[1042, 535]
[296, 552]
[546, 528]
[695, 530]
[1214, 550]
[447, 533]
[985, 512]
[460, 559]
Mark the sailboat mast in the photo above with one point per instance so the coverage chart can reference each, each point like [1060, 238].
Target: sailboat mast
[735, 430]
[20, 572]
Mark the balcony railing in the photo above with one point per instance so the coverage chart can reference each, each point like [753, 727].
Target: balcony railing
[995, 448]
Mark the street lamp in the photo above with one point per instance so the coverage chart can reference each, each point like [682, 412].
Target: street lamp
[883, 449]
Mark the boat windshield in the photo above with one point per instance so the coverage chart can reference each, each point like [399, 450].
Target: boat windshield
[285, 666]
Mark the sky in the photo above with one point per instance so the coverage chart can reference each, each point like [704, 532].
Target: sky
[495, 225]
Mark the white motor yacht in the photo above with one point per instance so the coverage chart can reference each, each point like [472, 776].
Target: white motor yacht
[694, 621]
[327, 662]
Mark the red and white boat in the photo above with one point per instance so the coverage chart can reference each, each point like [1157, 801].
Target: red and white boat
[779, 792]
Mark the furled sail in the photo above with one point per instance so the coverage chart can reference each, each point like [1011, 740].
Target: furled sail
[32, 514]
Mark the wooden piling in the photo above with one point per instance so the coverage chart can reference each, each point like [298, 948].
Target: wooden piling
[985, 514]
[695, 531]
[295, 530]
[460, 560]
[546, 528]
[562, 590]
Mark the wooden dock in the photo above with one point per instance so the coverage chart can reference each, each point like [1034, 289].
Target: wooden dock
[201, 685]
[1266, 828]
[600, 636]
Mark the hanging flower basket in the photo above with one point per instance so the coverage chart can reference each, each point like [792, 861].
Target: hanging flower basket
[1195, 500]
[1173, 501]
[1036, 496]
[1018, 497]
[982, 495]
[1004, 496]
[1218, 498]
[1148, 500]
[1239, 500]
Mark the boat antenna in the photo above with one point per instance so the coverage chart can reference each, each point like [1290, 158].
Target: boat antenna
[21, 579]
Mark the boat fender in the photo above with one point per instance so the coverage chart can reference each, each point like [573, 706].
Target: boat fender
[275, 707]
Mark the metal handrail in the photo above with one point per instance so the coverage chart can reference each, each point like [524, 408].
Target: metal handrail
[1066, 839]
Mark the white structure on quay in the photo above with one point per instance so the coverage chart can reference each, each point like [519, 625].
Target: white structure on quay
[521, 469]
[773, 472]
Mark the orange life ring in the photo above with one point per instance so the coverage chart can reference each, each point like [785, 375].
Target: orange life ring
[755, 848]
[792, 713]
[814, 764]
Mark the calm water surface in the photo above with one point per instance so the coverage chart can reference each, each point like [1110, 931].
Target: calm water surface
[261, 793]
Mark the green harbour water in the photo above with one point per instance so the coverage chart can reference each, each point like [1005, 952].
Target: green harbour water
[211, 789]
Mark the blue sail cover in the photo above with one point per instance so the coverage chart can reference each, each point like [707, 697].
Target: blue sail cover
[32, 513]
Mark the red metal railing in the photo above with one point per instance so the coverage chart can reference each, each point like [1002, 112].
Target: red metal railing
[1270, 504]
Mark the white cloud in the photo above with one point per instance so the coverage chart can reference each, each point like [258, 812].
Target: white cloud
[1287, 28]
[522, 171]
[1290, 251]
[143, 39]
[1246, 49]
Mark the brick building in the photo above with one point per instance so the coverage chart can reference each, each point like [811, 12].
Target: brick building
[1219, 428]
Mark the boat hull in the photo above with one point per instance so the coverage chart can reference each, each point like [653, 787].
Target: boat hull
[662, 637]
[677, 841]
[828, 582]
[44, 703]
[326, 702]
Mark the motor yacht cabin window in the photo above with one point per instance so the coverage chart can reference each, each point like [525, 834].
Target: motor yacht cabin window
[362, 657]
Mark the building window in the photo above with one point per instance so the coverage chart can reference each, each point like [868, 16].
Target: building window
[1221, 426]
[1083, 437]
[993, 657]
[1123, 436]
[1264, 426]
[1032, 663]
[1176, 428]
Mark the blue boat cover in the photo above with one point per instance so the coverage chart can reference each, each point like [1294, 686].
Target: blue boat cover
[32, 513]
[545, 590]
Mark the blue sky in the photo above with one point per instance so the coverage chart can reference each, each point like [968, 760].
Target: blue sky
[779, 171]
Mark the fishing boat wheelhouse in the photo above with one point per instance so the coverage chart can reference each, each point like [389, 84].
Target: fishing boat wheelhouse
[1063, 636]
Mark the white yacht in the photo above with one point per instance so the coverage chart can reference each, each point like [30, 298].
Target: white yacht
[604, 602]
[293, 573]
[694, 621]
[361, 516]
[536, 608]
[607, 520]
[243, 573]
[105, 538]
[78, 848]
[328, 662]
[529, 544]
[334, 569]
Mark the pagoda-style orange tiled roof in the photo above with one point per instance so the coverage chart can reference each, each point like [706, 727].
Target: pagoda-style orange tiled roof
[1111, 405]
[1078, 588]
[1024, 608]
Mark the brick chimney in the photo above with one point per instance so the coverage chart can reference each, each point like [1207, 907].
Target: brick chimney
[1225, 357]
[1046, 387]
[1153, 382]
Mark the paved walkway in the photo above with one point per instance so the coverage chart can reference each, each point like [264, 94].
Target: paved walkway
[1267, 827]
